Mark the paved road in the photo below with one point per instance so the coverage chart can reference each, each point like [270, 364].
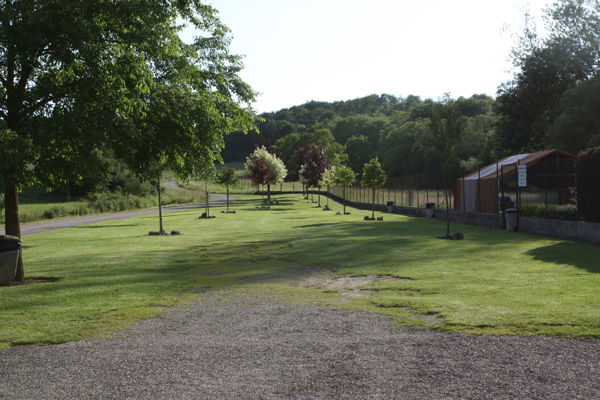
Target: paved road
[49, 225]
[237, 345]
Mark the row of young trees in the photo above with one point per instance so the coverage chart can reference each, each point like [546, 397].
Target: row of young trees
[315, 171]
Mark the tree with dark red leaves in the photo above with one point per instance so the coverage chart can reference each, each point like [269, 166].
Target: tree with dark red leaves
[314, 164]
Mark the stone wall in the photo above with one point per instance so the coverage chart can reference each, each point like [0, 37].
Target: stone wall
[571, 230]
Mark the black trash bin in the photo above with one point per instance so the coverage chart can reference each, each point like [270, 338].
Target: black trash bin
[9, 254]
[429, 210]
[390, 206]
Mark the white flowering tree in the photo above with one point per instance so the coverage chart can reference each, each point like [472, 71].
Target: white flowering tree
[265, 169]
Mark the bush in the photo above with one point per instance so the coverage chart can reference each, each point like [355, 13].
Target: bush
[556, 211]
[114, 202]
[588, 185]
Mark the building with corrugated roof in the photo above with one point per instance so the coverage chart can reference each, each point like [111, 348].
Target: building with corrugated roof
[494, 187]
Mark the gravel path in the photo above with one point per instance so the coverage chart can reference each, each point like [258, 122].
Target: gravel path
[239, 347]
[50, 225]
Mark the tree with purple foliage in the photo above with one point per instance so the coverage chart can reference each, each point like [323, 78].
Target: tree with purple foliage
[314, 164]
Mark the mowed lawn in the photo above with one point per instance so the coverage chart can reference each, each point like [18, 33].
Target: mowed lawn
[112, 274]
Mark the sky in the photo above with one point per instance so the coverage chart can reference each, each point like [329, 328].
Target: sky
[329, 50]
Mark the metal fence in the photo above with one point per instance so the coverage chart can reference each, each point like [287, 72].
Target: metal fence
[550, 190]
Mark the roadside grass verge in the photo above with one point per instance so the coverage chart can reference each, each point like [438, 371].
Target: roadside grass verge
[112, 274]
[103, 203]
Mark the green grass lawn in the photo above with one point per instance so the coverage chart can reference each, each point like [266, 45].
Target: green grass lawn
[112, 274]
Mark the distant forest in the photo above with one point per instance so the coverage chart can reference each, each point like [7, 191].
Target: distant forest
[552, 101]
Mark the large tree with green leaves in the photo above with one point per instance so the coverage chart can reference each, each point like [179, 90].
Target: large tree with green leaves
[373, 177]
[548, 67]
[77, 75]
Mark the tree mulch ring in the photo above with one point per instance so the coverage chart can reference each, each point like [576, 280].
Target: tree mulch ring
[228, 212]
[204, 215]
[326, 208]
[33, 281]
[157, 233]
[453, 236]
[367, 218]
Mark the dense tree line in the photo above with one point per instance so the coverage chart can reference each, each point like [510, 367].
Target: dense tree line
[391, 128]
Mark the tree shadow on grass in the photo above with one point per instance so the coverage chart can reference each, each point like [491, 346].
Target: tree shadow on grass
[580, 255]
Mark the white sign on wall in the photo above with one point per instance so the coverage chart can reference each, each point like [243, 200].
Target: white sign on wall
[522, 171]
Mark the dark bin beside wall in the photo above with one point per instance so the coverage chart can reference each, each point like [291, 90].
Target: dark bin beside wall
[390, 206]
[9, 254]
[429, 210]
[511, 219]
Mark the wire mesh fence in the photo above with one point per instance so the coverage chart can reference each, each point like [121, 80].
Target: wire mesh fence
[549, 189]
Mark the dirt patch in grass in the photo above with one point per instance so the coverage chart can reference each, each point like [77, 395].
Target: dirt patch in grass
[329, 280]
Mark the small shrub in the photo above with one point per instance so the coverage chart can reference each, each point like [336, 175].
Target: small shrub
[555, 211]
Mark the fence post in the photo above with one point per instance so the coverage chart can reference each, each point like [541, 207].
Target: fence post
[479, 189]
[464, 200]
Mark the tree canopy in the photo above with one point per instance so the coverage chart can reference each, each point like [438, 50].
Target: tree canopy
[554, 79]
[315, 162]
[265, 168]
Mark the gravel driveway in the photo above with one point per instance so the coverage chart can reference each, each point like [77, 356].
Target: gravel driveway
[239, 347]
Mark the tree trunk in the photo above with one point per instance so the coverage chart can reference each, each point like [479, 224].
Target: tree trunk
[262, 196]
[207, 200]
[344, 198]
[160, 217]
[319, 198]
[327, 205]
[11, 223]
[373, 210]
[268, 195]
[227, 198]
[447, 213]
